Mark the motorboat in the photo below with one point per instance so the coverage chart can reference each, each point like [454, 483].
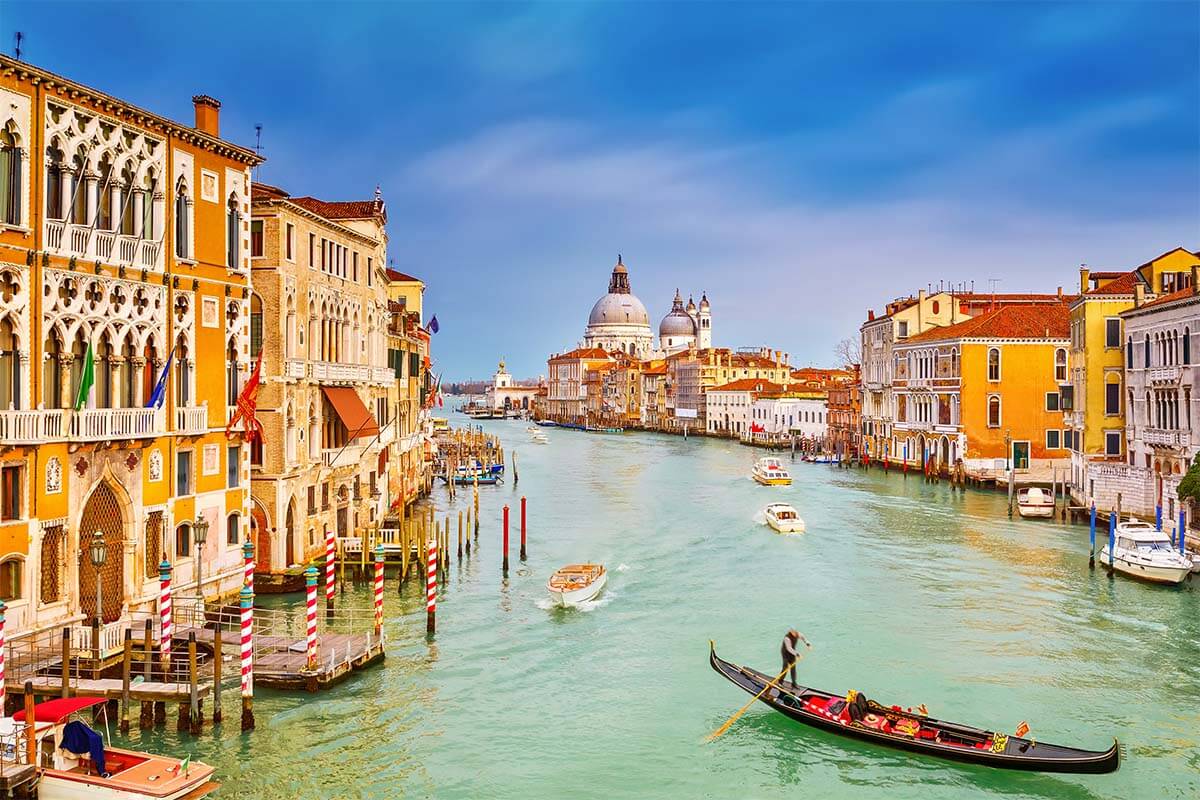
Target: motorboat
[602, 429]
[1146, 553]
[783, 518]
[769, 471]
[546, 423]
[576, 583]
[531, 429]
[539, 438]
[1033, 503]
[820, 458]
[854, 716]
[101, 772]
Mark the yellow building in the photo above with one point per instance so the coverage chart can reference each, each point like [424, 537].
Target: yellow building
[1096, 394]
[985, 391]
[126, 235]
[408, 353]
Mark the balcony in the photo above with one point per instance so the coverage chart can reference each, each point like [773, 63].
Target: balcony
[332, 372]
[100, 424]
[294, 368]
[85, 242]
[348, 456]
[1164, 375]
[1164, 437]
[31, 426]
[191, 420]
[382, 375]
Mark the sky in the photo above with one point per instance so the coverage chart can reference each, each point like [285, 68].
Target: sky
[799, 162]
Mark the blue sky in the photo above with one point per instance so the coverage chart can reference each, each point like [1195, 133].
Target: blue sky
[799, 162]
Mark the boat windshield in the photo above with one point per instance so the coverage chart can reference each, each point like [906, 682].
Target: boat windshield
[1154, 545]
[785, 514]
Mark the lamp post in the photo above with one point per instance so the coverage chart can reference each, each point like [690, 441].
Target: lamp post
[98, 552]
[201, 528]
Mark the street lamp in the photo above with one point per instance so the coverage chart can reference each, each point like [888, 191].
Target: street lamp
[98, 553]
[201, 528]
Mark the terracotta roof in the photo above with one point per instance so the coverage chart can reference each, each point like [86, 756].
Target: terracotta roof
[265, 191]
[345, 209]
[582, 352]
[1048, 321]
[1167, 298]
[397, 275]
[748, 385]
[1121, 285]
[661, 369]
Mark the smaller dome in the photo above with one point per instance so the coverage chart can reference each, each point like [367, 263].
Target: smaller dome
[704, 302]
[691, 306]
[677, 322]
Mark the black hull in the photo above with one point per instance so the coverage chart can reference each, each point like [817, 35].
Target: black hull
[785, 698]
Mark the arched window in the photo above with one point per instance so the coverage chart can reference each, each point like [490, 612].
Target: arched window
[11, 569]
[993, 411]
[183, 383]
[232, 373]
[125, 198]
[256, 325]
[104, 363]
[54, 181]
[233, 227]
[78, 190]
[10, 178]
[993, 364]
[129, 376]
[1187, 346]
[233, 528]
[182, 241]
[52, 372]
[183, 540]
[10, 367]
[104, 202]
[1146, 354]
[79, 353]
[1060, 365]
[1129, 353]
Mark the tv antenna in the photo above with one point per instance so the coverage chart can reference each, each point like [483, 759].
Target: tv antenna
[17, 49]
[258, 149]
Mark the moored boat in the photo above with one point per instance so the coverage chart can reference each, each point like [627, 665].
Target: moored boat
[602, 429]
[576, 583]
[854, 716]
[1033, 503]
[1145, 553]
[783, 518]
[122, 775]
[769, 471]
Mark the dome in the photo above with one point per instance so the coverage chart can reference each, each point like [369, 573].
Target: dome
[677, 323]
[619, 309]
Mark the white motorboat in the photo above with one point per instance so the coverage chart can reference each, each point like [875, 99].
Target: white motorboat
[539, 438]
[769, 471]
[123, 775]
[576, 583]
[783, 518]
[531, 429]
[1035, 503]
[1147, 554]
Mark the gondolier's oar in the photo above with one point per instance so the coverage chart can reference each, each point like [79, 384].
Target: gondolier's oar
[728, 723]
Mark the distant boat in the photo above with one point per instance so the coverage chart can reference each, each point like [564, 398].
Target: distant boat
[770, 472]
[602, 429]
[783, 518]
[1034, 503]
[1145, 553]
[823, 458]
[539, 438]
[576, 583]
[546, 423]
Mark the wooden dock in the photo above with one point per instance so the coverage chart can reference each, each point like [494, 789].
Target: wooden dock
[111, 688]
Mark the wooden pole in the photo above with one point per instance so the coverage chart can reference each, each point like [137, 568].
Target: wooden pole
[146, 717]
[30, 739]
[95, 648]
[66, 662]
[516, 475]
[504, 563]
[522, 526]
[126, 670]
[468, 528]
[218, 645]
[431, 590]
[460, 549]
[197, 718]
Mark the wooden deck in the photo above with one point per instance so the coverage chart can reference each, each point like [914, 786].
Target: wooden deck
[110, 688]
[282, 661]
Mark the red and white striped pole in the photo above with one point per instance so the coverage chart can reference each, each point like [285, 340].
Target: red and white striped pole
[166, 618]
[330, 571]
[310, 586]
[378, 589]
[431, 587]
[3, 608]
[248, 557]
[247, 607]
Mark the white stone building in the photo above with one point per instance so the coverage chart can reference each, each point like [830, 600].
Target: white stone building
[619, 320]
[728, 407]
[802, 414]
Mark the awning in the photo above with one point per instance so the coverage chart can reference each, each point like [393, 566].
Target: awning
[57, 710]
[350, 409]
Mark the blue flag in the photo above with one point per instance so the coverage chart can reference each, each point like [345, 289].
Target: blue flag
[433, 325]
[159, 395]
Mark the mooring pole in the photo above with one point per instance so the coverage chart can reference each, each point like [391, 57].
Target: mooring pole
[431, 588]
[522, 527]
[1092, 539]
[504, 563]
[246, 601]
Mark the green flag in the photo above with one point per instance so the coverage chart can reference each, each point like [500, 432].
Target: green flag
[87, 379]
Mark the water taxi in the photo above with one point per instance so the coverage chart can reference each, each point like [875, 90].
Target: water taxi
[99, 771]
[576, 583]
[1145, 553]
[1033, 503]
[770, 472]
[783, 518]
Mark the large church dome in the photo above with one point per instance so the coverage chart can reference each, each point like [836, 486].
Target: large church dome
[618, 308]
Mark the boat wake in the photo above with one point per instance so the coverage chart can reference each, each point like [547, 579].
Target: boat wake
[623, 568]
[546, 604]
[760, 518]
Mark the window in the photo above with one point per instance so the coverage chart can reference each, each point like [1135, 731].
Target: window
[10, 179]
[10, 367]
[256, 325]
[325, 495]
[183, 473]
[993, 411]
[1112, 398]
[1053, 439]
[10, 492]
[289, 242]
[1129, 352]
[256, 238]
[1112, 332]
[312, 250]
[993, 364]
[354, 261]
[369, 278]
[154, 542]
[1146, 355]
[1187, 346]
[10, 579]
[1112, 443]
[1066, 398]
[902, 330]
[233, 467]
[53, 563]
[312, 499]
[1052, 403]
[233, 224]
[183, 540]
[182, 245]
[233, 528]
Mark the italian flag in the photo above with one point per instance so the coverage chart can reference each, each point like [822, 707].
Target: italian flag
[87, 379]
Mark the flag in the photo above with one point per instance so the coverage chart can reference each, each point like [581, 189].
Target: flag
[182, 769]
[1022, 729]
[433, 324]
[159, 395]
[87, 379]
[247, 406]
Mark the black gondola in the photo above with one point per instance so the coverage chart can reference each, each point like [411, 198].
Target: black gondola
[891, 726]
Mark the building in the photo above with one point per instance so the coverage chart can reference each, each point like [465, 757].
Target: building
[411, 394]
[618, 320]
[124, 244]
[1096, 421]
[845, 414]
[505, 393]
[566, 391]
[728, 406]
[790, 414]
[320, 313]
[685, 328]
[985, 391]
[653, 412]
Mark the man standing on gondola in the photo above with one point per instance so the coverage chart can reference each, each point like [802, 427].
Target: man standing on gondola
[790, 655]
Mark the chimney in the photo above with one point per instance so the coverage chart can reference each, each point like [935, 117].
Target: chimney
[870, 314]
[208, 114]
[1139, 295]
[1084, 274]
[1195, 278]
[1060, 293]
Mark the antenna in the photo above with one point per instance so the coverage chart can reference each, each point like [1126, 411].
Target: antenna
[17, 49]
[258, 148]
[992, 283]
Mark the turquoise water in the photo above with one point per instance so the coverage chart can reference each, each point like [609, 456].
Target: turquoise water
[909, 592]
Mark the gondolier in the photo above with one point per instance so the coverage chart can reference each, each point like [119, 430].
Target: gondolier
[788, 651]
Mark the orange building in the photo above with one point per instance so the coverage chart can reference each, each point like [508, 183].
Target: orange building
[124, 245]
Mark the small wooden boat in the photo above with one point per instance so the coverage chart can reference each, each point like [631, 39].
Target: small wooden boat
[783, 518]
[1033, 503]
[860, 718]
[576, 583]
[601, 429]
[124, 775]
[1147, 554]
[820, 458]
[482, 478]
[769, 471]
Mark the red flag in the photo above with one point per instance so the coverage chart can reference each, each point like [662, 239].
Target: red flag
[1022, 729]
[247, 407]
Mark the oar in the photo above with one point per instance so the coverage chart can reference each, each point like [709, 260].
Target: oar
[729, 723]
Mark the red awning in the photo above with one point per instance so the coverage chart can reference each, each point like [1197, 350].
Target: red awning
[55, 711]
[350, 409]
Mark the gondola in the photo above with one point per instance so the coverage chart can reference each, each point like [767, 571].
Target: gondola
[864, 719]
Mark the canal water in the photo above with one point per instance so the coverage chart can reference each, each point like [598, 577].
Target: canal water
[910, 592]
